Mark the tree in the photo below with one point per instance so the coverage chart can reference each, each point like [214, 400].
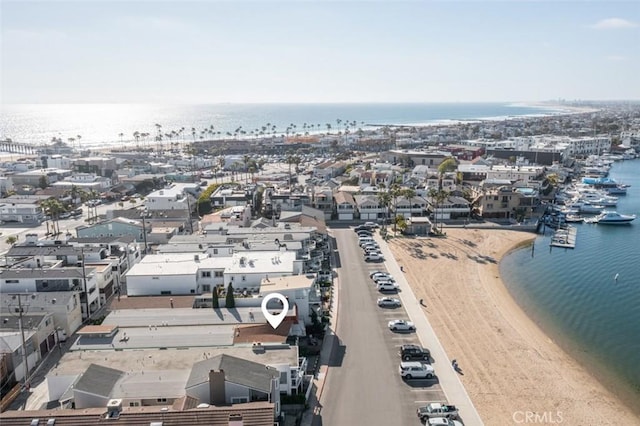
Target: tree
[11, 240]
[215, 302]
[43, 182]
[230, 300]
[395, 191]
[384, 198]
[409, 194]
[448, 165]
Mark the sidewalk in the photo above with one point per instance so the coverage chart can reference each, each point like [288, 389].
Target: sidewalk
[448, 378]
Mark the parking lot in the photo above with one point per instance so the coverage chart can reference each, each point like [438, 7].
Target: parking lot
[417, 392]
[364, 386]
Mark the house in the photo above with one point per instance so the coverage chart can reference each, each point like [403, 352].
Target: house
[496, 202]
[225, 379]
[229, 196]
[346, 207]
[170, 198]
[329, 169]
[323, 200]
[72, 279]
[159, 274]
[415, 206]
[369, 207]
[22, 209]
[117, 227]
[452, 207]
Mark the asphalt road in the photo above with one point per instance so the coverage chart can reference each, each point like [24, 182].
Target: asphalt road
[363, 386]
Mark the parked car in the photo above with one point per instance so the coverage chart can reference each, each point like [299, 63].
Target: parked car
[387, 286]
[364, 241]
[437, 409]
[371, 225]
[371, 250]
[442, 421]
[389, 302]
[374, 273]
[416, 370]
[414, 352]
[373, 258]
[383, 278]
[401, 325]
[361, 228]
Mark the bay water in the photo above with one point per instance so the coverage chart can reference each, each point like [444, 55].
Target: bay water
[574, 295]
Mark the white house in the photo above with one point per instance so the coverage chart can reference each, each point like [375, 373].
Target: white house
[170, 198]
[248, 269]
[296, 288]
[158, 274]
[369, 207]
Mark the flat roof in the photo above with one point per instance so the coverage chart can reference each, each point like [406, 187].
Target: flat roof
[293, 282]
[150, 360]
[96, 329]
[164, 264]
[257, 262]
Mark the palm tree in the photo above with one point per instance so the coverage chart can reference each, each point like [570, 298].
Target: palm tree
[395, 191]
[409, 194]
[245, 160]
[384, 198]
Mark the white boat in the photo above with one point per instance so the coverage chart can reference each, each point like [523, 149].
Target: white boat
[613, 218]
[573, 218]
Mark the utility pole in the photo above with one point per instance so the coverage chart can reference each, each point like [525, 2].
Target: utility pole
[84, 282]
[25, 360]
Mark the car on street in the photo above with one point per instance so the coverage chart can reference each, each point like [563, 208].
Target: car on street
[373, 258]
[374, 273]
[442, 421]
[414, 352]
[372, 250]
[361, 228]
[371, 225]
[389, 302]
[401, 325]
[416, 370]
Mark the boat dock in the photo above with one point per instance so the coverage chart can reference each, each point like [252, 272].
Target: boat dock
[565, 237]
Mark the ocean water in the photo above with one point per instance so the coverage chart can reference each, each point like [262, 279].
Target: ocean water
[101, 124]
[574, 297]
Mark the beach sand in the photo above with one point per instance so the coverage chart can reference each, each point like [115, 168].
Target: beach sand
[510, 367]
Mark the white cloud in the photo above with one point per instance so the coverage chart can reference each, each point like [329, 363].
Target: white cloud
[613, 24]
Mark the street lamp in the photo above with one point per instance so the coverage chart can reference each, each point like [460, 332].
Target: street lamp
[84, 283]
[25, 360]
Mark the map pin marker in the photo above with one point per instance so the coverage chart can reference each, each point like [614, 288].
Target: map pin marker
[275, 320]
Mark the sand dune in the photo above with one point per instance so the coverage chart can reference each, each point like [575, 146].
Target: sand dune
[510, 367]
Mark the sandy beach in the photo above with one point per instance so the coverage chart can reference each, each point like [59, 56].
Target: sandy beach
[510, 367]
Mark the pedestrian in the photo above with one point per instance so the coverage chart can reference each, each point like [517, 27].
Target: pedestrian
[454, 364]
[401, 268]
[421, 302]
[171, 302]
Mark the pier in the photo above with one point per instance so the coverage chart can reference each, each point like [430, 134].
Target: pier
[9, 146]
[565, 237]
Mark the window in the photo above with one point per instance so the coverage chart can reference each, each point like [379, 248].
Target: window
[134, 404]
[206, 274]
[215, 251]
[283, 377]
[161, 400]
[12, 281]
[218, 274]
[206, 288]
[155, 278]
[239, 400]
[244, 278]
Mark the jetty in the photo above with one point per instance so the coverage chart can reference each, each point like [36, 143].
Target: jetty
[565, 237]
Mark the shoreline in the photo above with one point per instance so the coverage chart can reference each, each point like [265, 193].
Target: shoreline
[510, 364]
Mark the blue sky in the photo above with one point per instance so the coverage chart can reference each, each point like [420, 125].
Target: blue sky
[318, 51]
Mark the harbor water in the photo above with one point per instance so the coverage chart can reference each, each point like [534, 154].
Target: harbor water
[587, 299]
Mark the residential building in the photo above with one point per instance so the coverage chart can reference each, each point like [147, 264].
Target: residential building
[346, 207]
[369, 207]
[22, 209]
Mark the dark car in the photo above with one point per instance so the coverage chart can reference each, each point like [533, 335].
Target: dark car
[414, 352]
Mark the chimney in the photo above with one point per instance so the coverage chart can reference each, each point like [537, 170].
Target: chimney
[216, 388]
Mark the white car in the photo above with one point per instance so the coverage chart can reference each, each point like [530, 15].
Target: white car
[416, 370]
[401, 325]
[372, 250]
[383, 278]
[389, 302]
[371, 225]
[374, 273]
[388, 286]
[441, 421]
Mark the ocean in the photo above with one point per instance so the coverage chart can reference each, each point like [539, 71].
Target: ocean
[574, 297]
[102, 124]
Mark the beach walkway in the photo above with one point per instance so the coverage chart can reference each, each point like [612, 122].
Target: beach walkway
[447, 376]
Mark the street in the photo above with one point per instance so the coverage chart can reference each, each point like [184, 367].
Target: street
[363, 385]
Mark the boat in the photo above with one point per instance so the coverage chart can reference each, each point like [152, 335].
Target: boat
[613, 218]
[573, 218]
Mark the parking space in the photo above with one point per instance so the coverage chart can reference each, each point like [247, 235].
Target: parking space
[416, 392]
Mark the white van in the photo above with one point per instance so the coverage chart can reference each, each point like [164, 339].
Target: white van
[365, 240]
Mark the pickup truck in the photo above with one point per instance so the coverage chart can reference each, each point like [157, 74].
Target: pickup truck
[437, 409]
